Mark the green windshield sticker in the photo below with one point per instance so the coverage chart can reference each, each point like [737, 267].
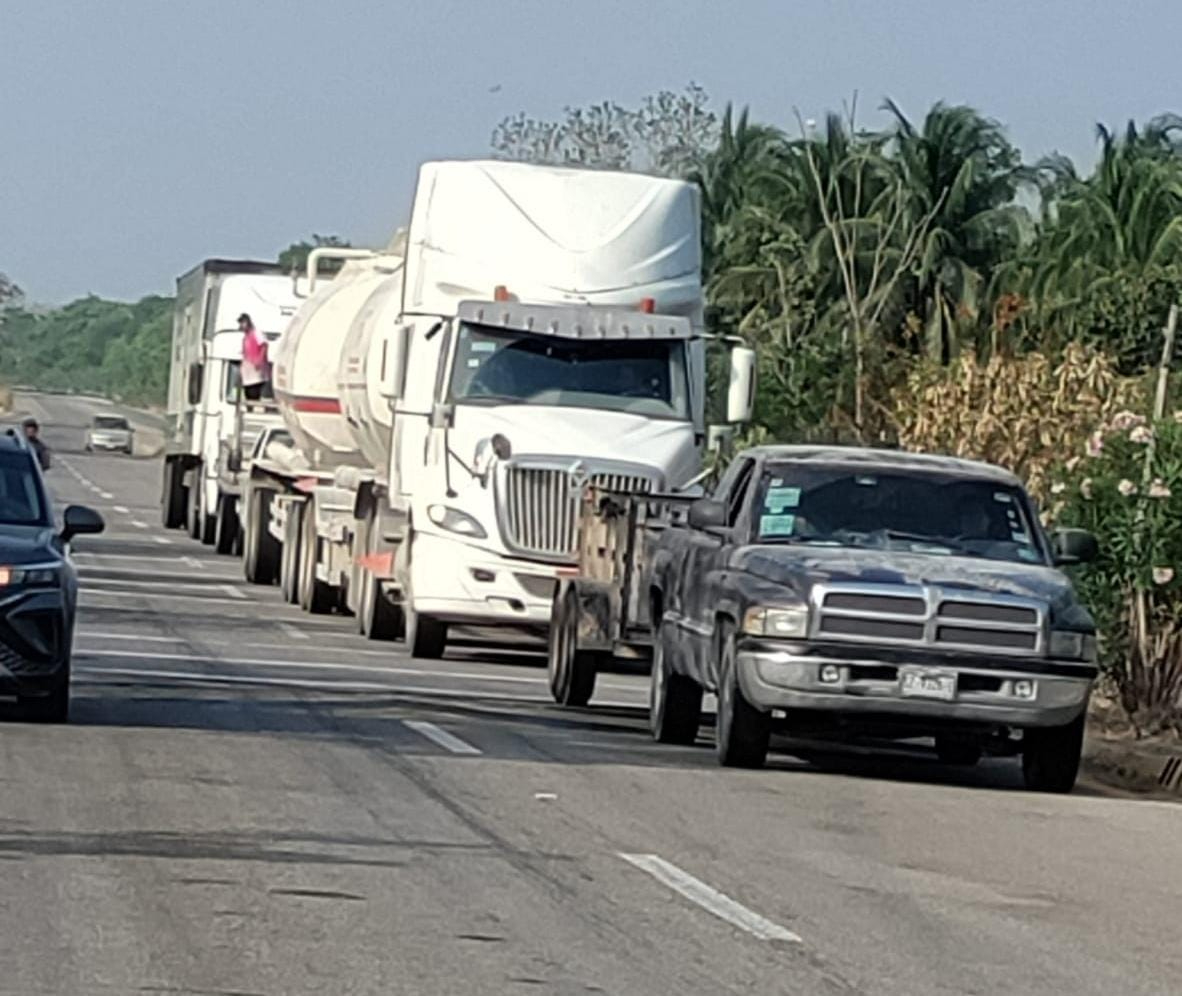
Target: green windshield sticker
[776, 525]
[779, 499]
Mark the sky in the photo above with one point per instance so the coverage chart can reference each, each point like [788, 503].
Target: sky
[138, 137]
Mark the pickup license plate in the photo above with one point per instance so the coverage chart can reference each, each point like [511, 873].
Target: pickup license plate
[924, 683]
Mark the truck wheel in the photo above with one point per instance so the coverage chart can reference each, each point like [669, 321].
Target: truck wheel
[172, 504]
[674, 700]
[957, 751]
[226, 528]
[742, 732]
[572, 671]
[262, 551]
[290, 561]
[315, 596]
[425, 635]
[193, 513]
[1050, 757]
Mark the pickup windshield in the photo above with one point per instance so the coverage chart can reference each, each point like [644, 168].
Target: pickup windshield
[913, 511]
[641, 377]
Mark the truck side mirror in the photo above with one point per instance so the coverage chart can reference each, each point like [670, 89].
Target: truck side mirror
[195, 370]
[740, 395]
[1073, 546]
[392, 382]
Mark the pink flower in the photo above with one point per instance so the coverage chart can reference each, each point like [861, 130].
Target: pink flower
[1158, 489]
[1127, 488]
[1085, 487]
[1141, 434]
[1095, 444]
[1123, 421]
[1163, 575]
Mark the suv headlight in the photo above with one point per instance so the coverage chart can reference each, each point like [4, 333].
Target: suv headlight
[1067, 645]
[768, 620]
[33, 574]
[455, 521]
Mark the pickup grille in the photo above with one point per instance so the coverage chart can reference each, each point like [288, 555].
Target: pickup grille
[929, 617]
[541, 517]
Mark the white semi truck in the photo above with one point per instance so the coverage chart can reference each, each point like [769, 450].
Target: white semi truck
[209, 427]
[447, 398]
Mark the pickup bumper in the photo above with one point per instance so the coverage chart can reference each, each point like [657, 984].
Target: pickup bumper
[1018, 693]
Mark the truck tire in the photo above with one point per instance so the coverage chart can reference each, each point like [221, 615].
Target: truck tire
[315, 596]
[572, 671]
[289, 568]
[742, 732]
[377, 617]
[674, 700]
[173, 497]
[226, 527]
[260, 556]
[1050, 756]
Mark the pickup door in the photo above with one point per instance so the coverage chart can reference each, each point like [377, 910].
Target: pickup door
[694, 574]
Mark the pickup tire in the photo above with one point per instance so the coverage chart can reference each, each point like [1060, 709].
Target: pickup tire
[173, 497]
[315, 596]
[226, 529]
[674, 700]
[742, 732]
[1050, 756]
[572, 672]
[261, 551]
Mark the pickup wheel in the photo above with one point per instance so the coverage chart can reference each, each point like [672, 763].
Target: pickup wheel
[226, 528]
[315, 596]
[290, 560]
[742, 732]
[572, 671]
[261, 551]
[1050, 757]
[674, 700]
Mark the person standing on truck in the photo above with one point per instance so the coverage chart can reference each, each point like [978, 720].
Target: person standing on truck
[256, 367]
[33, 435]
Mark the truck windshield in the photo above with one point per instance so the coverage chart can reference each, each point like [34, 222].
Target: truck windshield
[641, 377]
[917, 512]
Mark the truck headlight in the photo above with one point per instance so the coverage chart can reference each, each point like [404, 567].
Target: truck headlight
[1067, 645]
[455, 521]
[786, 621]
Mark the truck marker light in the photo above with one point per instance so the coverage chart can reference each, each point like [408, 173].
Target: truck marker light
[648, 305]
[501, 293]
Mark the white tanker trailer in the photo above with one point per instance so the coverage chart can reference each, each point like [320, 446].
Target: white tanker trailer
[535, 326]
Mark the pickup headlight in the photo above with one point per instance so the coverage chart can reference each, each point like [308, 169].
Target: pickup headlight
[455, 521]
[786, 621]
[33, 574]
[1067, 645]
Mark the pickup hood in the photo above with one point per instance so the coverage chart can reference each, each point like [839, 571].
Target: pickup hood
[799, 568]
[542, 430]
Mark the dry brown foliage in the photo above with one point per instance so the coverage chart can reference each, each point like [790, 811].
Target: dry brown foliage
[1025, 413]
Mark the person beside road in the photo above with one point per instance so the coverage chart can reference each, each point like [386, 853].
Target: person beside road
[33, 435]
[256, 366]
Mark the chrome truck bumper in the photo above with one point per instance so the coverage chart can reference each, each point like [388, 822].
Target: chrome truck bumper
[1020, 693]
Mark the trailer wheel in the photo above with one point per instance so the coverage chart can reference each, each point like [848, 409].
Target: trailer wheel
[226, 527]
[572, 671]
[261, 551]
[315, 596]
[172, 505]
[674, 700]
[290, 560]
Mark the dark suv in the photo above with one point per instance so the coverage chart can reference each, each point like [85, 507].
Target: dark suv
[38, 586]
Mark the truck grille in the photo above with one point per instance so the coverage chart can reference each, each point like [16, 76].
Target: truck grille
[541, 516]
[997, 624]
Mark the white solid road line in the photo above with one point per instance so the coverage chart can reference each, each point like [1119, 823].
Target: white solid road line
[87, 594]
[101, 583]
[441, 737]
[710, 899]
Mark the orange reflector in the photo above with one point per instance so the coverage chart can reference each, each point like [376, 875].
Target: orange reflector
[381, 564]
[648, 305]
[501, 293]
[306, 484]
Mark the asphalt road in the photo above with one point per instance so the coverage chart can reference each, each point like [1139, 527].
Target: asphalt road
[253, 801]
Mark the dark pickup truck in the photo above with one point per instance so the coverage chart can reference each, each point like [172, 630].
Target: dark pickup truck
[852, 592]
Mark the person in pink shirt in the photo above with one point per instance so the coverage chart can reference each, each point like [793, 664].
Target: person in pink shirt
[256, 368]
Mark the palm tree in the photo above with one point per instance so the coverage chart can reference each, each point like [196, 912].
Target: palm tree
[961, 170]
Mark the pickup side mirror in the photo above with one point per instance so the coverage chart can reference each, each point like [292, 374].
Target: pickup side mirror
[79, 520]
[706, 513]
[740, 395]
[1073, 546]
